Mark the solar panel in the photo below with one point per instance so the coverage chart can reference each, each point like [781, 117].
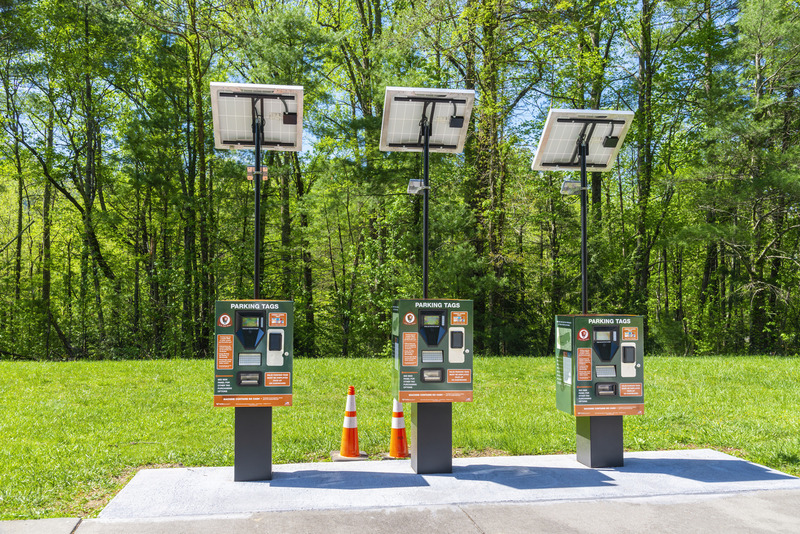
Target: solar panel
[234, 106]
[605, 132]
[447, 110]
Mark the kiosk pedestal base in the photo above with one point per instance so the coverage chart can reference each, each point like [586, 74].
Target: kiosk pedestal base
[431, 437]
[252, 446]
[599, 441]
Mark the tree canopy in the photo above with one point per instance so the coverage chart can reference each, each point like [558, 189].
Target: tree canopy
[120, 224]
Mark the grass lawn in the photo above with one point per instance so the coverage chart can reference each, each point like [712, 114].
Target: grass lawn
[73, 433]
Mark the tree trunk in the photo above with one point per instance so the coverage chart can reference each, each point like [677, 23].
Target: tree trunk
[644, 163]
[286, 232]
[198, 90]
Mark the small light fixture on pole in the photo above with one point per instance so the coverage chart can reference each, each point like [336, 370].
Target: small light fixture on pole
[416, 186]
[571, 187]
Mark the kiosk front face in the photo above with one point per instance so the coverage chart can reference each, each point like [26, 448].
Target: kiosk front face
[254, 346]
[432, 341]
[599, 364]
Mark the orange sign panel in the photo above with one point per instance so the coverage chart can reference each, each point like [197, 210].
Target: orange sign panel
[584, 365]
[277, 319]
[435, 396]
[630, 390]
[225, 351]
[630, 333]
[410, 349]
[277, 379]
[458, 318]
[240, 401]
[609, 409]
[463, 376]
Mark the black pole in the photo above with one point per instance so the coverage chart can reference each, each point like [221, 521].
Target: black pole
[257, 121]
[426, 133]
[583, 149]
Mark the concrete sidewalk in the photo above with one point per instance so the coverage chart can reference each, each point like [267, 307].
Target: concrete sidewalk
[669, 491]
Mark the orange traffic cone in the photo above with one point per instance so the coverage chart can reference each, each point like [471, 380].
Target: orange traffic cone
[398, 446]
[349, 449]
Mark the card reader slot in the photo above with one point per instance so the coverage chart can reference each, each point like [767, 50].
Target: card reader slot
[432, 375]
[605, 389]
[248, 379]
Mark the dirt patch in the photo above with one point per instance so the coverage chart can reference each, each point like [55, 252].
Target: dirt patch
[471, 453]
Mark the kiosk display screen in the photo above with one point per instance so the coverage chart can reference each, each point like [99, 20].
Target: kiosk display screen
[430, 320]
[602, 336]
[249, 322]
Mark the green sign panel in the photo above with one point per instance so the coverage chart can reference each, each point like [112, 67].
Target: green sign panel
[432, 342]
[599, 364]
[254, 344]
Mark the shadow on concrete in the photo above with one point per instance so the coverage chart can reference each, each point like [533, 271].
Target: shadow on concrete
[345, 480]
[702, 470]
[527, 478]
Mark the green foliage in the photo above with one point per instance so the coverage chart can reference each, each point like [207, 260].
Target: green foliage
[122, 225]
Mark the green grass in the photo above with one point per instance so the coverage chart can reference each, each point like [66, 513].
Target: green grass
[71, 434]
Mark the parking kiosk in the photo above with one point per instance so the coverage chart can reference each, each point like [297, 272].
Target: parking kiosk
[254, 342]
[600, 378]
[432, 346]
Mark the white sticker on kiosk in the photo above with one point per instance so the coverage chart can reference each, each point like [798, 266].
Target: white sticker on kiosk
[566, 365]
[455, 353]
[274, 347]
[628, 360]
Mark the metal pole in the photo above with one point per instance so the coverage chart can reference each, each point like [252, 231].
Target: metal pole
[257, 122]
[583, 151]
[426, 132]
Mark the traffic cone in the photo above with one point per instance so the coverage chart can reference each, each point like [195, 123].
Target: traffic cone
[398, 446]
[349, 449]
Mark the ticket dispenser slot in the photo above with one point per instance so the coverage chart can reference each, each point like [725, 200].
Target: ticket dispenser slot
[456, 352]
[628, 369]
[432, 327]
[274, 347]
[606, 342]
[250, 327]
[432, 375]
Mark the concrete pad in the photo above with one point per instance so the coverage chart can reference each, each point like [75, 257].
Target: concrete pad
[60, 525]
[664, 477]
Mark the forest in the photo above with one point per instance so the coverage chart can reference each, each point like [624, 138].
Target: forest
[121, 225]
